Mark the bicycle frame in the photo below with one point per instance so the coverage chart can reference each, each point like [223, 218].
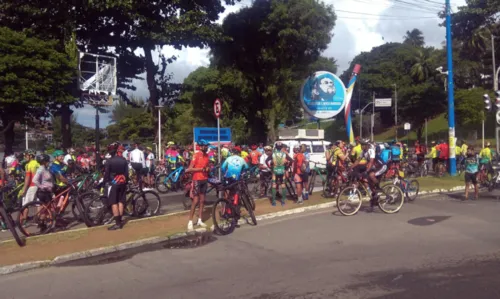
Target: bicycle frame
[175, 175]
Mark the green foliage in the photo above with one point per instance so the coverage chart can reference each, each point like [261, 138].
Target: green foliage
[81, 136]
[136, 127]
[122, 109]
[414, 38]
[469, 106]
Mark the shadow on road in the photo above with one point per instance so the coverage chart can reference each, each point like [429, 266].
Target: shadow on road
[429, 220]
[190, 241]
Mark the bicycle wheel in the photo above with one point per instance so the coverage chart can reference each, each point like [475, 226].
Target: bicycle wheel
[248, 206]
[224, 217]
[35, 218]
[349, 201]
[390, 199]
[128, 208]
[12, 227]
[161, 184]
[312, 182]
[290, 189]
[412, 190]
[147, 203]
[98, 213]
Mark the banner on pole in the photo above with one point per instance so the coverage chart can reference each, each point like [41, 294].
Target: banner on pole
[383, 102]
[210, 135]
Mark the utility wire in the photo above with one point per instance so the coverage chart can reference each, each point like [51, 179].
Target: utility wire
[369, 14]
[397, 6]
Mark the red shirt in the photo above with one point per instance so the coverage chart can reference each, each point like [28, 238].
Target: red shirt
[255, 155]
[443, 151]
[200, 160]
[299, 160]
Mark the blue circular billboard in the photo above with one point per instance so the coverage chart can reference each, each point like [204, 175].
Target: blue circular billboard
[323, 95]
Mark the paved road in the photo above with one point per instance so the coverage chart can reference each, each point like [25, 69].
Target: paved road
[435, 248]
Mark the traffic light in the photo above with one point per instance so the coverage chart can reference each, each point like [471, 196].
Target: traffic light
[487, 102]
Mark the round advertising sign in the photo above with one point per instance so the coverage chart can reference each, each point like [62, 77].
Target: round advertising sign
[323, 95]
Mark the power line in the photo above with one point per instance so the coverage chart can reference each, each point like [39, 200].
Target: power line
[384, 19]
[414, 4]
[379, 15]
[397, 6]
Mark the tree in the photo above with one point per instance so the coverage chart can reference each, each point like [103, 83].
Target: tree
[414, 38]
[34, 75]
[469, 107]
[122, 109]
[272, 43]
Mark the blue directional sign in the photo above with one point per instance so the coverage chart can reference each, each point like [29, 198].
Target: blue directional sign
[210, 134]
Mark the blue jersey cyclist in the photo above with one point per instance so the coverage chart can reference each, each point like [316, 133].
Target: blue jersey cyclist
[233, 166]
[58, 169]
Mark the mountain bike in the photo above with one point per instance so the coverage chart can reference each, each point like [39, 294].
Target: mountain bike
[409, 187]
[315, 172]
[171, 182]
[350, 199]
[6, 217]
[227, 212]
[138, 204]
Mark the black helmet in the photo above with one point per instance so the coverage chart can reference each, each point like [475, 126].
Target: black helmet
[278, 146]
[42, 158]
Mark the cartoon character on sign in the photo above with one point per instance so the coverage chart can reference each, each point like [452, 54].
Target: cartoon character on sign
[323, 88]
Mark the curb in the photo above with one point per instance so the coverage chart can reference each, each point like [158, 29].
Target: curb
[4, 270]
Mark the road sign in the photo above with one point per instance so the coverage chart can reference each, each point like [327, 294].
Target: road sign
[383, 102]
[217, 108]
[407, 126]
[210, 134]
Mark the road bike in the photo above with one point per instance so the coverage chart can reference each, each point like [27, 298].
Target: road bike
[6, 217]
[227, 210]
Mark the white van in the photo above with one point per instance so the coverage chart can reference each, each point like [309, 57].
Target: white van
[315, 144]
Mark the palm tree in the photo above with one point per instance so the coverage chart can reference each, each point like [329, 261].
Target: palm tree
[414, 38]
[422, 68]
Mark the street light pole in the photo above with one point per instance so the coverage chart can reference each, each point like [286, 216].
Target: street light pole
[495, 76]
[361, 119]
[451, 95]
[159, 132]
[396, 108]
[373, 116]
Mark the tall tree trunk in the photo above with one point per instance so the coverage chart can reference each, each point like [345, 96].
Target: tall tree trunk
[66, 126]
[151, 71]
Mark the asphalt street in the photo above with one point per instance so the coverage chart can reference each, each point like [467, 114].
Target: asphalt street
[439, 247]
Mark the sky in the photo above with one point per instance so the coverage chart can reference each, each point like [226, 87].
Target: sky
[360, 26]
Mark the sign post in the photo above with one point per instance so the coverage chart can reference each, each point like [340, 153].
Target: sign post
[217, 112]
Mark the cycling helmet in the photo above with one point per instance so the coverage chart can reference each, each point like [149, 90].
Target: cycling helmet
[43, 158]
[112, 147]
[9, 161]
[253, 147]
[30, 152]
[202, 142]
[268, 148]
[365, 141]
[170, 143]
[278, 146]
[57, 153]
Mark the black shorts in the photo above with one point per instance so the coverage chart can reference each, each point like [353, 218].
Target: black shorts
[304, 177]
[265, 176]
[137, 167]
[279, 179]
[116, 194]
[200, 187]
[44, 195]
[471, 178]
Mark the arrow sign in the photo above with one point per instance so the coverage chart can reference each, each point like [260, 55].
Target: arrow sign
[217, 108]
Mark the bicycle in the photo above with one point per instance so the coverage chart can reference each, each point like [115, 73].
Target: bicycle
[46, 214]
[171, 182]
[316, 171]
[228, 212]
[387, 195]
[137, 204]
[409, 187]
[6, 216]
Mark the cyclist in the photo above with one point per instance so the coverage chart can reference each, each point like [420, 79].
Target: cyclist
[337, 160]
[29, 188]
[233, 166]
[58, 171]
[173, 159]
[485, 158]
[300, 173]
[255, 155]
[115, 182]
[261, 148]
[244, 153]
[138, 163]
[200, 168]
[69, 156]
[356, 150]
[304, 149]
[265, 170]
[279, 159]
[150, 165]
[471, 170]
[224, 152]
[43, 179]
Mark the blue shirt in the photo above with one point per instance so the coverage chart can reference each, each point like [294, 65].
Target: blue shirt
[57, 168]
[233, 166]
[471, 165]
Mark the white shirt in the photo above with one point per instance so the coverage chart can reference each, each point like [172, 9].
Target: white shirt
[369, 154]
[67, 158]
[150, 160]
[262, 161]
[125, 154]
[137, 156]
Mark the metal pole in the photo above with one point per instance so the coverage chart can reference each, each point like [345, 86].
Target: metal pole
[26, 137]
[495, 78]
[360, 123]
[396, 109]
[373, 116]
[218, 146]
[483, 128]
[97, 148]
[159, 135]
[451, 99]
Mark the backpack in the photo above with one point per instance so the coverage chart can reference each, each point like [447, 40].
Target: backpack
[385, 155]
[395, 152]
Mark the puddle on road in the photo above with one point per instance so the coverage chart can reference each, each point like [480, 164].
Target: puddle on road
[188, 242]
[429, 220]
